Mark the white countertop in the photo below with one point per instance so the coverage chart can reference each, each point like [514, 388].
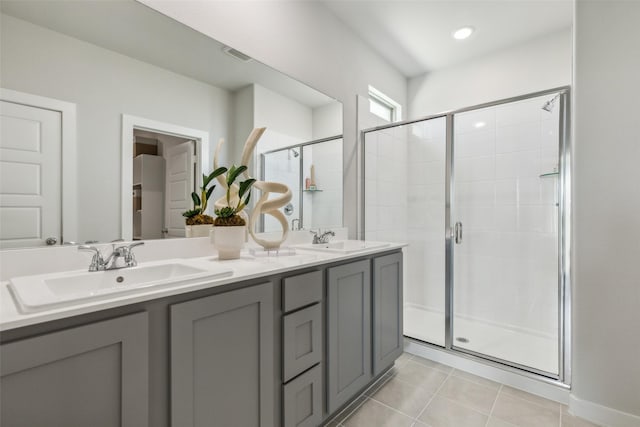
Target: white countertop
[246, 268]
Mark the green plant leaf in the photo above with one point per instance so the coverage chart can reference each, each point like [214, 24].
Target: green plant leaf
[191, 213]
[205, 180]
[195, 198]
[234, 172]
[218, 172]
[244, 186]
[209, 191]
[225, 212]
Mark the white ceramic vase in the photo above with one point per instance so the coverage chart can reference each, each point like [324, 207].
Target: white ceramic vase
[228, 240]
[200, 230]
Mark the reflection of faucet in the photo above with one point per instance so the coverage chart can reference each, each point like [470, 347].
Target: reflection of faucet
[322, 238]
[98, 263]
[293, 221]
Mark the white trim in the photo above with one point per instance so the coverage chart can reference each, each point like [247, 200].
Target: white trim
[382, 98]
[601, 415]
[547, 390]
[129, 123]
[69, 188]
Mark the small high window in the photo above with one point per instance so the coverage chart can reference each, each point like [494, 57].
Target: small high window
[383, 106]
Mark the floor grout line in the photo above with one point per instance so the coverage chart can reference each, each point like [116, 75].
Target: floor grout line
[494, 405]
[352, 411]
[433, 396]
[391, 407]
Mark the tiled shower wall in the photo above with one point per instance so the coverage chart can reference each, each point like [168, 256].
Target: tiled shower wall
[323, 209]
[506, 268]
[386, 190]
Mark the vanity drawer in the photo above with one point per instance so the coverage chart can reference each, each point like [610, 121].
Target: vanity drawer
[301, 341]
[301, 290]
[302, 399]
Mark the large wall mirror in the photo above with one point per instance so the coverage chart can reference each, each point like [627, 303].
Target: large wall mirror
[111, 112]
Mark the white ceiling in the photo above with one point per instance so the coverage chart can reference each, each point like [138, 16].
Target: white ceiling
[415, 36]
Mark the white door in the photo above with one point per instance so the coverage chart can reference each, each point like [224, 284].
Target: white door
[180, 169]
[30, 175]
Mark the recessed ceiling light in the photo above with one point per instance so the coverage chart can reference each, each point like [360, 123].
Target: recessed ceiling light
[462, 33]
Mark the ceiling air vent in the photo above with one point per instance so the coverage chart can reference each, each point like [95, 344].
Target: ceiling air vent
[236, 54]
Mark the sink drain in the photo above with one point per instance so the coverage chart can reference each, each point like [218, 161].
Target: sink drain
[119, 279]
[462, 339]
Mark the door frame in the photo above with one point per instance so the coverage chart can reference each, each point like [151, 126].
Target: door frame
[69, 156]
[129, 123]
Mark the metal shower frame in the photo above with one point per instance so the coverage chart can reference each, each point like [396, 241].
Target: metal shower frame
[563, 378]
[300, 158]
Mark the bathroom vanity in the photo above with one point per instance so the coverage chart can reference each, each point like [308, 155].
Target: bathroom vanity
[283, 341]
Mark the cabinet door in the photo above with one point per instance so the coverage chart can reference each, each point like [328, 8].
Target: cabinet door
[349, 331]
[93, 375]
[302, 400]
[387, 311]
[301, 341]
[222, 359]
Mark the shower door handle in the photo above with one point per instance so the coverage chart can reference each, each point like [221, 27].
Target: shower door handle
[457, 233]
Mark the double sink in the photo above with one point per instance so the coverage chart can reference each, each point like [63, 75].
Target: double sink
[55, 290]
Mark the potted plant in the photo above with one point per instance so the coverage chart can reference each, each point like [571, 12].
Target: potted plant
[229, 230]
[197, 223]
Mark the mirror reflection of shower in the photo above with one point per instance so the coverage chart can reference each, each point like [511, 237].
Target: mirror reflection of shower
[312, 207]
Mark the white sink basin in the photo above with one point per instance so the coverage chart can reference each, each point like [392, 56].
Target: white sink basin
[46, 291]
[343, 246]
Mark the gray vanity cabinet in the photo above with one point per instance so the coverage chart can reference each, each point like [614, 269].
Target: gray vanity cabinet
[387, 311]
[222, 359]
[91, 375]
[349, 331]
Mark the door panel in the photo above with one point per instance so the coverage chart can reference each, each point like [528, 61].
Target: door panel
[30, 175]
[179, 185]
[505, 238]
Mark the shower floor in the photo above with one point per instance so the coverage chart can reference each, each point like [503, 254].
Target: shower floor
[528, 349]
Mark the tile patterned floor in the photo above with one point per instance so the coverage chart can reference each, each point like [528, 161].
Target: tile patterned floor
[420, 393]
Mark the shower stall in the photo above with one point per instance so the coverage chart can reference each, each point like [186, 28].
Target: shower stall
[481, 195]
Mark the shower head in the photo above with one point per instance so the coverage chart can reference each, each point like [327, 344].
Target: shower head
[295, 153]
[548, 106]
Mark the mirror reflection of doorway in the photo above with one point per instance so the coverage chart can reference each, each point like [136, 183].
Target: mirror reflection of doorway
[164, 168]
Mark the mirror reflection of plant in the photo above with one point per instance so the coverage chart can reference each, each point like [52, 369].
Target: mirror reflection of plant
[228, 215]
[197, 215]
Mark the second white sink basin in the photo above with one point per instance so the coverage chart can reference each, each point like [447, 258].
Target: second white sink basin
[344, 246]
[46, 291]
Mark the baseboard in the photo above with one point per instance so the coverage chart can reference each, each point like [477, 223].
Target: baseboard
[602, 415]
[547, 388]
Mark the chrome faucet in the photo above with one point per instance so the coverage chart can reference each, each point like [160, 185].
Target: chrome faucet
[293, 221]
[321, 238]
[99, 263]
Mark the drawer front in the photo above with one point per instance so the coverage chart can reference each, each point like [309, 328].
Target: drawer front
[302, 341]
[298, 291]
[302, 399]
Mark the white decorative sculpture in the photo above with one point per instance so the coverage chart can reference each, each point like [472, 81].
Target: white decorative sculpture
[264, 205]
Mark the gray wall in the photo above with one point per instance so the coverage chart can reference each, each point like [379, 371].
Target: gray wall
[606, 300]
[105, 85]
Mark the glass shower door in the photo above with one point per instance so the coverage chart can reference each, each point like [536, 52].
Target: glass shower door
[505, 233]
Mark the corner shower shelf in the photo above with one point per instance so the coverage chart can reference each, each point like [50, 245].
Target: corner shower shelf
[545, 175]
[312, 191]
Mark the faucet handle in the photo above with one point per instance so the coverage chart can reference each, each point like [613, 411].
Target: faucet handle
[129, 256]
[97, 261]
